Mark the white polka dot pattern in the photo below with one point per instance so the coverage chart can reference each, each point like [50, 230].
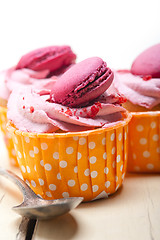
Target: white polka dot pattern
[69, 150]
[42, 163]
[113, 150]
[143, 141]
[146, 154]
[13, 152]
[105, 156]
[107, 184]
[48, 167]
[26, 139]
[84, 187]
[9, 142]
[75, 138]
[36, 150]
[155, 137]
[150, 166]
[33, 183]
[31, 153]
[71, 183]
[52, 187]
[118, 158]
[94, 174]
[23, 169]
[106, 170]
[114, 164]
[112, 136]
[41, 181]
[104, 141]
[65, 194]
[84, 165]
[87, 172]
[153, 125]
[59, 176]
[139, 128]
[56, 155]
[92, 145]
[44, 146]
[144, 130]
[93, 159]
[82, 141]
[63, 164]
[120, 137]
[19, 155]
[79, 155]
[95, 188]
[48, 194]
[28, 169]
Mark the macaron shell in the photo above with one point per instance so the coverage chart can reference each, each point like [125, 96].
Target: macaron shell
[80, 77]
[148, 62]
[51, 58]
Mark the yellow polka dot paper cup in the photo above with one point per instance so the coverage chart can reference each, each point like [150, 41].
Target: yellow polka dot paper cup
[144, 142]
[90, 164]
[7, 137]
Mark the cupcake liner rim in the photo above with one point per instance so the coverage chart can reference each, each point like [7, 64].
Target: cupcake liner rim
[146, 114]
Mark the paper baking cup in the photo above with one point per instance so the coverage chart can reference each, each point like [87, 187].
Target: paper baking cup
[144, 142]
[90, 164]
[7, 137]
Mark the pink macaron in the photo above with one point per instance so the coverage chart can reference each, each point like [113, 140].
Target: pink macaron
[82, 83]
[53, 58]
[148, 62]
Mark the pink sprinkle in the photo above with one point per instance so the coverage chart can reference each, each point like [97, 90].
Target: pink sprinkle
[31, 109]
[147, 77]
[68, 112]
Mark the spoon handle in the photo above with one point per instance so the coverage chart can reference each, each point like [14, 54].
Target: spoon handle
[24, 188]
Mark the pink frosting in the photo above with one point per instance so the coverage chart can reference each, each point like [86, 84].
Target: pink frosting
[144, 91]
[31, 111]
[11, 79]
[4, 91]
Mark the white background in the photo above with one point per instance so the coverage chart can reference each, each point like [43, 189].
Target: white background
[116, 30]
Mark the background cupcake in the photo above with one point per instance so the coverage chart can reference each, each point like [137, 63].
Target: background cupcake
[141, 87]
[38, 69]
[71, 140]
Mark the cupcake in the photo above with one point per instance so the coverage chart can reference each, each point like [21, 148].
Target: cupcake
[39, 69]
[141, 87]
[72, 140]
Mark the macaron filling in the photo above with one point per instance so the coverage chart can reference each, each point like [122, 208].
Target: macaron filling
[47, 56]
[81, 91]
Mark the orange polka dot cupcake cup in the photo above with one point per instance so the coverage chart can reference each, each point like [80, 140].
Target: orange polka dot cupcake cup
[144, 142]
[91, 164]
[7, 137]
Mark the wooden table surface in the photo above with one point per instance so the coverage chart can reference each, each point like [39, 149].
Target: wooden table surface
[133, 213]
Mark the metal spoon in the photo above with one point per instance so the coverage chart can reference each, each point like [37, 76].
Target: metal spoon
[35, 207]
